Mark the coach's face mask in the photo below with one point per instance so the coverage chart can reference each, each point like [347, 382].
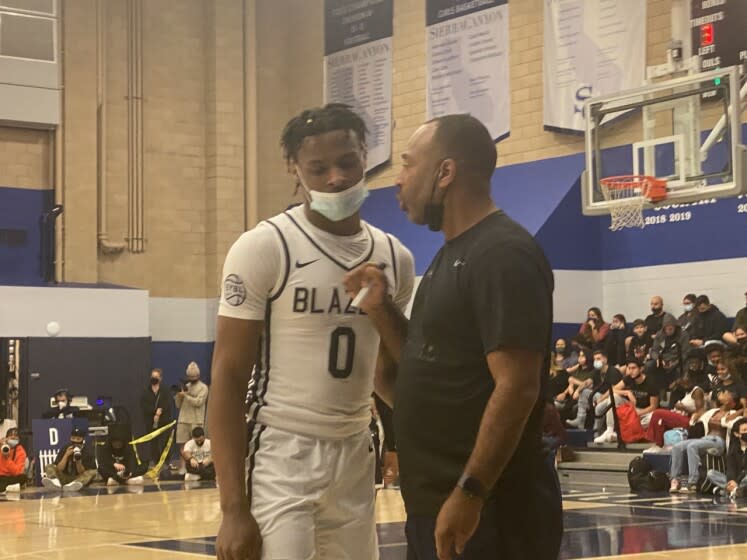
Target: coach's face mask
[336, 206]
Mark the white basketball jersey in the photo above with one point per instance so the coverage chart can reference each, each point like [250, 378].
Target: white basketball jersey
[315, 370]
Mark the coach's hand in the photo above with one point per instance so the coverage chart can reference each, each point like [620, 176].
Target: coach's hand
[456, 523]
[369, 275]
[238, 537]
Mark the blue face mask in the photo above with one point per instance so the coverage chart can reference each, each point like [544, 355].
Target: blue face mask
[337, 206]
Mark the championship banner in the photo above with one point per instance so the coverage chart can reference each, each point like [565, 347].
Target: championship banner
[467, 61]
[592, 48]
[358, 67]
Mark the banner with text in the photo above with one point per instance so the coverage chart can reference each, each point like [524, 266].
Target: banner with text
[467, 61]
[592, 48]
[358, 66]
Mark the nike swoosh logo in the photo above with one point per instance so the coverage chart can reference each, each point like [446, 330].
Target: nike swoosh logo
[301, 265]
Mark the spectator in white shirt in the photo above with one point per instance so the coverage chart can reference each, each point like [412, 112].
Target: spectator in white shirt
[197, 457]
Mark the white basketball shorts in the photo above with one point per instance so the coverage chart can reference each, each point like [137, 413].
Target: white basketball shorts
[313, 499]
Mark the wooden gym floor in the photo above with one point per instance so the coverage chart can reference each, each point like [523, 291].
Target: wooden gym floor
[179, 520]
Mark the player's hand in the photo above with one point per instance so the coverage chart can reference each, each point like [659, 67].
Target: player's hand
[456, 523]
[194, 463]
[238, 537]
[369, 275]
[731, 486]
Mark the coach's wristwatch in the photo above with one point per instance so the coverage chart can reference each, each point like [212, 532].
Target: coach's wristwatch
[472, 487]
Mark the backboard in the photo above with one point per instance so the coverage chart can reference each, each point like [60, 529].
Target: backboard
[686, 131]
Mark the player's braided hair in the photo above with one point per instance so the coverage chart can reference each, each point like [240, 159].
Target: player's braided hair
[311, 122]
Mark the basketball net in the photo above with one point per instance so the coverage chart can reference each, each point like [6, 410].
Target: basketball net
[628, 194]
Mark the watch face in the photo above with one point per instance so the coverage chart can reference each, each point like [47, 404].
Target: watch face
[472, 487]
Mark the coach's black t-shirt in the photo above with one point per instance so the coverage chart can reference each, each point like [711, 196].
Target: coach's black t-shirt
[487, 289]
[641, 391]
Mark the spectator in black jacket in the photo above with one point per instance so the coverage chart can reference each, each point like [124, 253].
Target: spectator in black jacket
[740, 322]
[157, 407]
[655, 321]
[667, 354]
[117, 461]
[710, 325]
[734, 482]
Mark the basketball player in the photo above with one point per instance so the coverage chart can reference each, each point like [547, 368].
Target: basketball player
[284, 309]
[472, 361]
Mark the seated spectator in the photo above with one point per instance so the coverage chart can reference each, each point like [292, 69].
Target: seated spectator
[597, 395]
[740, 321]
[553, 431]
[688, 318]
[689, 450]
[12, 463]
[563, 355]
[74, 467]
[594, 331]
[714, 356]
[655, 321]
[117, 461]
[557, 388]
[737, 339]
[734, 481]
[695, 370]
[689, 401]
[62, 407]
[727, 380]
[737, 353]
[615, 343]
[635, 388]
[710, 325]
[198, 458]
[5, 424]
[670, 346]
[581, 377]
[639, 343]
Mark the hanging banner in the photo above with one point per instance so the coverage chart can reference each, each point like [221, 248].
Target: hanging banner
[592, 48]
[358, 67]
[467, 61]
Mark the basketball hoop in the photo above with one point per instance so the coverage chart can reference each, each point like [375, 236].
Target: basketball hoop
[629, 193]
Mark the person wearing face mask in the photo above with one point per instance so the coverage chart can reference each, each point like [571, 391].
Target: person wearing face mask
[73, 468]
[655, 321]
[471, 362]
[733, 483]
[157, 408]
[595, 330]
[198, 457]
[12, 463]
[192, 401]
[61, 407]
[564, 356]
[690, 314]
[284, 308]
[597, 396]
[117, 463]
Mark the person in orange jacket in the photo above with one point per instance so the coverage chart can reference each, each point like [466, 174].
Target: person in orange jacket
[12, 463]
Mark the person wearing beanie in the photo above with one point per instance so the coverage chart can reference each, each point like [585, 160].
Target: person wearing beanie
[192, 401]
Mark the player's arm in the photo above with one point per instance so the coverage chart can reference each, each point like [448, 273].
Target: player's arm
[236, 341]
[385, 376]
[251, 275]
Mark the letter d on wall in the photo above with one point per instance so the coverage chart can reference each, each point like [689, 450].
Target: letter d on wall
[54, 436]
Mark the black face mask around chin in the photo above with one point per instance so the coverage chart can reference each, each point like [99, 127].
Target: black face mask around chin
[434, 211]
